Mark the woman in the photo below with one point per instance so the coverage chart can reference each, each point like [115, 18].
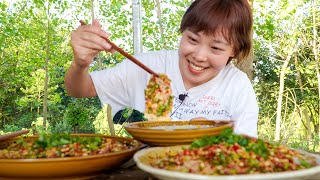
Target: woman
[213, 32]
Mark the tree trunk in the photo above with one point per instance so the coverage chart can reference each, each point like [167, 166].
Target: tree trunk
[136, 26]
[304, 112]
[247, 65]
[100, 67]
[281, 88]
[162, 38]
[45, 97]
[315, 51]
[98, 58]
[75, 129]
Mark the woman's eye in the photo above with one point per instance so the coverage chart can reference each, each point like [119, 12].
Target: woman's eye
[216, 48]
[193, 40]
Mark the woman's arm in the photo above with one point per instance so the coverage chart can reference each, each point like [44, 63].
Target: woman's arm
[86, 41]
[78, 82]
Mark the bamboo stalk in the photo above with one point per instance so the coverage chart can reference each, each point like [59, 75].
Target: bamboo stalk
[110, 121]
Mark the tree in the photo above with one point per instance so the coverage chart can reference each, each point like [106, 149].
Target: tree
[76, 115]
[283, 33]
[316, 58]
[247, 65]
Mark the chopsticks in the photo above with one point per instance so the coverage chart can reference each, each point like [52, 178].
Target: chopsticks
[133, 59]
[14, 134]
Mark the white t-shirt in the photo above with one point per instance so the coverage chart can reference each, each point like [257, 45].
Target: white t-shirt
[228, 96]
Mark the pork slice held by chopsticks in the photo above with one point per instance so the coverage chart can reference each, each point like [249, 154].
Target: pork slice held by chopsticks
[159, 98]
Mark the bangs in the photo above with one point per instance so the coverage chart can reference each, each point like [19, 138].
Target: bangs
[210, 21]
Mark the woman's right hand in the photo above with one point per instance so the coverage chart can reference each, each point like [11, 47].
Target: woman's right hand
[87, 41]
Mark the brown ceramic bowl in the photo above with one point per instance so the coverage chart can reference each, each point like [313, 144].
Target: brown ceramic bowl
[168, 133]
[64, 168]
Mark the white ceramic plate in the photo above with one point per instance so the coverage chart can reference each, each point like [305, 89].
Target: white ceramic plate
[140, 158]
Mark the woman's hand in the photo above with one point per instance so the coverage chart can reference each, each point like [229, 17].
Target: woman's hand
[87, 41]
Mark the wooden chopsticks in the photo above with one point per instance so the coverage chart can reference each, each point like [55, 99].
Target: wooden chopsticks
[133, 59]
[12, 135]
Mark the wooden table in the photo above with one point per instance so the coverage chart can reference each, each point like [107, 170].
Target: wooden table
[131, 173]
[134, 173]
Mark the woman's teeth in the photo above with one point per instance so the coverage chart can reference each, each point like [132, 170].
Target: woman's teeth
[197, 68]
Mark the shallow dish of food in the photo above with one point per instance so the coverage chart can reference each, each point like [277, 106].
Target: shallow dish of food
[228, 157]
[80, 156]
[168, 133]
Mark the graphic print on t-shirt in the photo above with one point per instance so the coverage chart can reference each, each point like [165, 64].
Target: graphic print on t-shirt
[206, 106]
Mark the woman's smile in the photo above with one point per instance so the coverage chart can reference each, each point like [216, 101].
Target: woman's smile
[195, 68]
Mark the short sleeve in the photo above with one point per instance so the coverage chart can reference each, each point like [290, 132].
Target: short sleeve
[110, 85]
[246, 110]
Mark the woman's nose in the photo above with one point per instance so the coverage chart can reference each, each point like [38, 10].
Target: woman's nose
[200, 54]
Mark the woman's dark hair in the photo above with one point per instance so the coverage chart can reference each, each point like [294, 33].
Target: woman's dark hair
[232, 18]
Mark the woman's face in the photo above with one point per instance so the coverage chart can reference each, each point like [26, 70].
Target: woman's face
[201, 57]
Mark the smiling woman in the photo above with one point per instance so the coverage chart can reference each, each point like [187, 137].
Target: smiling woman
[200, 68]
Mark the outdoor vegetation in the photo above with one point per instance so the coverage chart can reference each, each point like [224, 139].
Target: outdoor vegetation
[35, 53]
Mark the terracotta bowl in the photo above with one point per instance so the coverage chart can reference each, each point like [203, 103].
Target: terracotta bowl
[168, 133]
[64, 168]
